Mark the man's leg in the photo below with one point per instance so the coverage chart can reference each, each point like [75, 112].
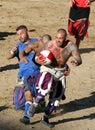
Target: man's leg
[34, 105]
[48, 111]
[29, 100]
[45, 85]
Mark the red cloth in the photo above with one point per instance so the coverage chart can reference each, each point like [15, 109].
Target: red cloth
[78, 28]
[80, 3]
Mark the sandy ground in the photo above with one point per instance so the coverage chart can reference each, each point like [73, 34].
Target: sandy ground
[77, 112]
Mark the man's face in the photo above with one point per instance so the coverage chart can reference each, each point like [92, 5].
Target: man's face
[22, 35]
[60, 38]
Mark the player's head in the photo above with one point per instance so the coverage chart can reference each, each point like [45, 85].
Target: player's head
[61, 36]
[22, 33]
[46, 38]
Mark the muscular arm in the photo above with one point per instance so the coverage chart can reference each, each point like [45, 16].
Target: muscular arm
[11, 53]
[33, 46]
[26, 50]
[76, 55]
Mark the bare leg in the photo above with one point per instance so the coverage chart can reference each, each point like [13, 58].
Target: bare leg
[78, 42]
[28, 96]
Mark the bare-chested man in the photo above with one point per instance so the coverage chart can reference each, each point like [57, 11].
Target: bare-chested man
[62, 49]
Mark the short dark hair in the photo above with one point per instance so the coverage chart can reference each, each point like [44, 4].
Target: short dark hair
[21, 27]
[62, 30]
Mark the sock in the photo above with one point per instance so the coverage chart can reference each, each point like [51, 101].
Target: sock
[27, 105]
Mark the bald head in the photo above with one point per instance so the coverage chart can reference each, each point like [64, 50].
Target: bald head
[63, 31]
[61, 37]
[46, 38]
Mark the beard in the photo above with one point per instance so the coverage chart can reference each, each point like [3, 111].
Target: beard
[24, 39]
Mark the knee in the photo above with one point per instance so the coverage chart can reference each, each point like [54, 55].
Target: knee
[28, 95]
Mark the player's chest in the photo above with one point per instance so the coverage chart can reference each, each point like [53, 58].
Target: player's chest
[56, 51]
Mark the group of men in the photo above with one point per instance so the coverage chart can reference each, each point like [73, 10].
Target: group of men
[49, 79]
[53, 75]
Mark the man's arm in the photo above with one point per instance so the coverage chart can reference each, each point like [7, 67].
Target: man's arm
[28, 49]
[11, 53]
[76, 55]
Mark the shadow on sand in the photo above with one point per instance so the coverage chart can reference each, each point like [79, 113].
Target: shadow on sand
[77, 105]
[86, 50]
[5, 34]
[9, 67]
[3, 108]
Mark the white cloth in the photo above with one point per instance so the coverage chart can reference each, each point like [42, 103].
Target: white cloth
[56, 72]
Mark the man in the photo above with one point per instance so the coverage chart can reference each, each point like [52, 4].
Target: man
[27, 71]
[78, 22]
[62, 49]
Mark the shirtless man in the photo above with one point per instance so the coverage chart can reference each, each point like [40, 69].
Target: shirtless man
[62, 49]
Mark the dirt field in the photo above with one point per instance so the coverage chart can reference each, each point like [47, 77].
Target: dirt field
[77, 112]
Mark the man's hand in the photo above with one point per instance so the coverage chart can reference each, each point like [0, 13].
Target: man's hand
[40, 61]
[74, 63]
[67, 72]
[14, 49]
